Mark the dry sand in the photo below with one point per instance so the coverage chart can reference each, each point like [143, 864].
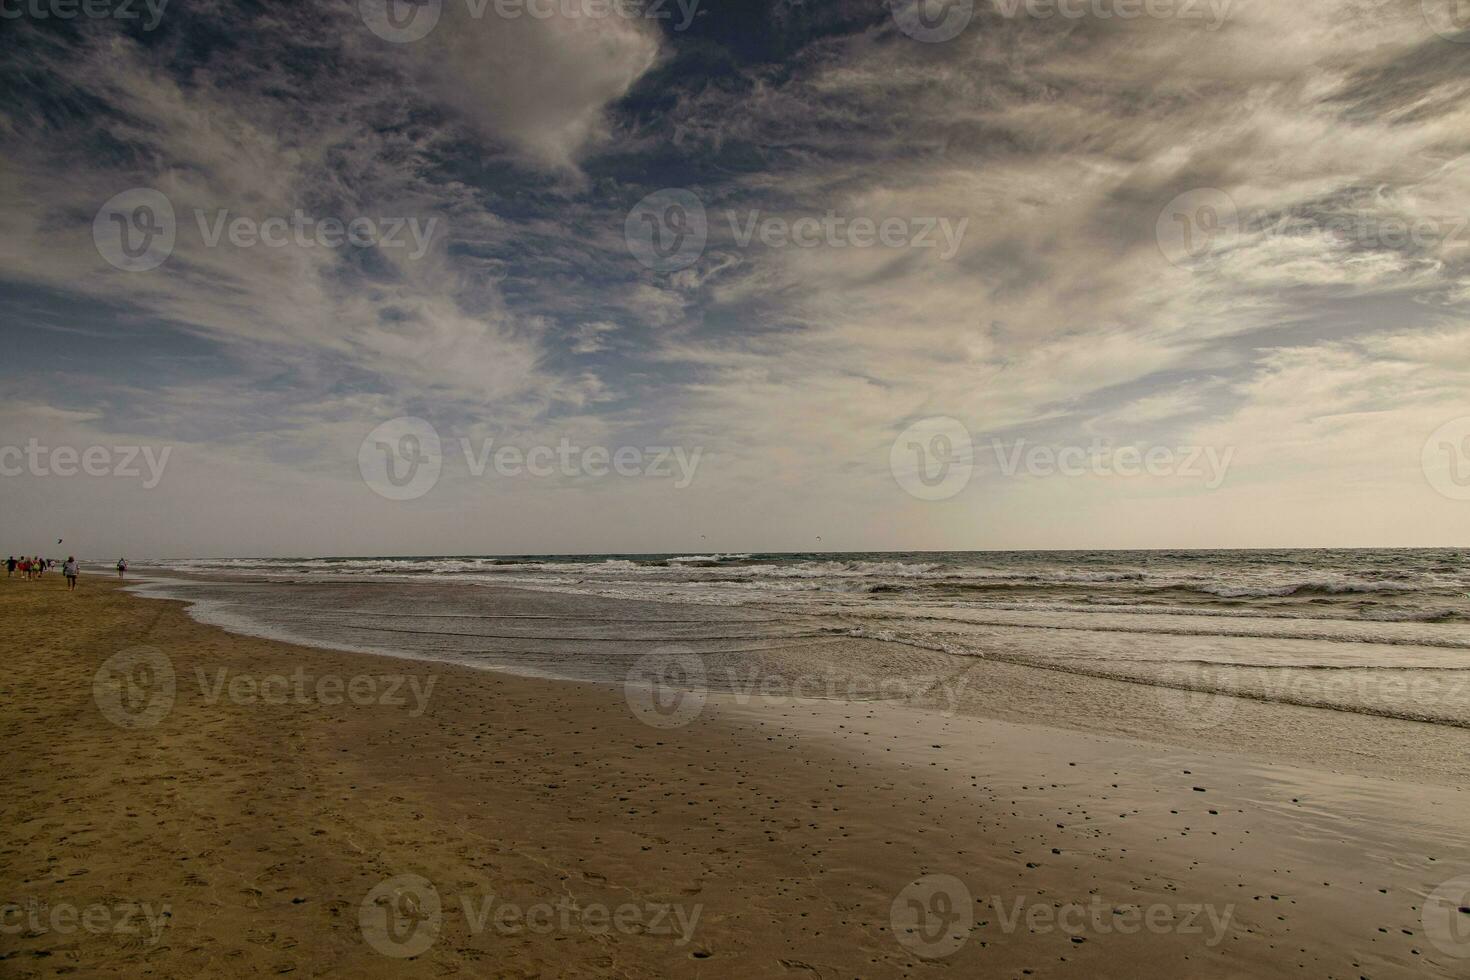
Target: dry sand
[561, 834]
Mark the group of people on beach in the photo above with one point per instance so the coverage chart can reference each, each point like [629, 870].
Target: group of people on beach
[29, 568]
[35, 567]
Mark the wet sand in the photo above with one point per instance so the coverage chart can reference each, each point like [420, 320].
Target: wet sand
[382, 817]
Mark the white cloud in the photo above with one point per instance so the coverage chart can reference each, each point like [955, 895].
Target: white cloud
[539, 84]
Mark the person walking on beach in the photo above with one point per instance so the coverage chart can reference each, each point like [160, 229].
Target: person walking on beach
[10, 564]
[70, 571]
[122, 566]
[25, 568]
[38, 565]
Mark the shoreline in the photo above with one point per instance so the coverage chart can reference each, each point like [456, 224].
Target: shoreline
[785, 831]
[996, 686]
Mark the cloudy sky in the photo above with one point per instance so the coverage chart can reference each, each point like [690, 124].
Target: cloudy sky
[871, 270]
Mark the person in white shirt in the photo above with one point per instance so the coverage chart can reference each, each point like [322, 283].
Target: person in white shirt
[69, 569]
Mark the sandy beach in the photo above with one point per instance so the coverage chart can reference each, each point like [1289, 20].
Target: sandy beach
[783, 489]
[295, 810]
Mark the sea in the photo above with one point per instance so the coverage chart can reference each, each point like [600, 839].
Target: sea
[1366, 632]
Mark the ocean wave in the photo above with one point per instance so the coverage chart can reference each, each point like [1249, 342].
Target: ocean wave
[916, 604]
[1232, 632]
[1399, 668]
[1129, 606]
[1309, 587]
[703, 559]
[1361, 587]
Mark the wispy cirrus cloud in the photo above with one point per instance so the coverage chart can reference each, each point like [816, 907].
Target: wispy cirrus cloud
[1309, 334]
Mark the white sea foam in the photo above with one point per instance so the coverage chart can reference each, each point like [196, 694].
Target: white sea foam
[1140, 617]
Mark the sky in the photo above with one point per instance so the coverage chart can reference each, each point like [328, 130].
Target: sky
[585, 276]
